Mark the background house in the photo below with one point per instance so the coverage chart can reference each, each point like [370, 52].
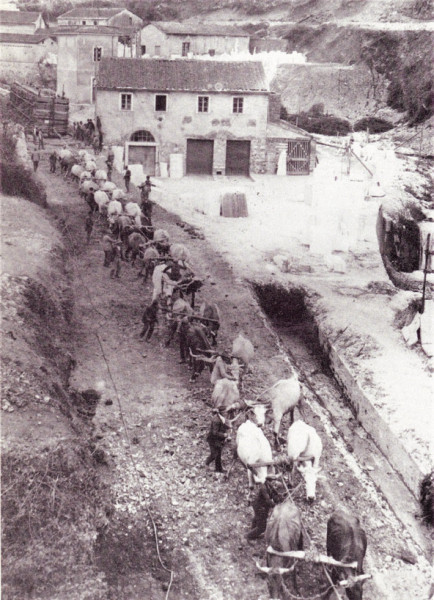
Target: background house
[14, 21]
[22, 54]
[114, 17]
[26, 44]
[79, 51]
[198, 116]
[180, 39]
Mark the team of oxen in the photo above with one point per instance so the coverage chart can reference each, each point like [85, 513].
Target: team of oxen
[132, 235]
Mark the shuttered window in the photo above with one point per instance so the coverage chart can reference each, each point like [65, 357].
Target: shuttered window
[203, 104]
[237, 105]
[126, 101]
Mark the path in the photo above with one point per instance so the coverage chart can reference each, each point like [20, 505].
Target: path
[202, 518]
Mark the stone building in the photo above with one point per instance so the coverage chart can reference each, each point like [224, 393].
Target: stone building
[25, 43]
[197, 116]
[14, 21]
[22, 53]
[169, 38]
[114, 17]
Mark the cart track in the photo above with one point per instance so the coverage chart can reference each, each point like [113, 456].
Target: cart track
[202, 519]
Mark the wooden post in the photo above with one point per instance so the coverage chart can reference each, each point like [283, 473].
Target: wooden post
[425, 271]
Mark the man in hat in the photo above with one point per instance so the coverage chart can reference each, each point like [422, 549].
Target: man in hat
[268, 496]
[216, 439]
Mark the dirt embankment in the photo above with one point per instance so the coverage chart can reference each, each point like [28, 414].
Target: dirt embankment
[383, 69]
[53, 500]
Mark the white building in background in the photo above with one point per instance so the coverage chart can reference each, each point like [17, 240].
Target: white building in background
[170, 38]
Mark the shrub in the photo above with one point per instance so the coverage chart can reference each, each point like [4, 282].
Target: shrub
[322, 124]
[15, 178]
[53, 505]
[373, 124]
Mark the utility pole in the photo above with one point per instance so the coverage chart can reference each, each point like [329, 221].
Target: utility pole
[425, 271]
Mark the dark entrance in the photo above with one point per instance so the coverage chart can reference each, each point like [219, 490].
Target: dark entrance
[298, 157]
[200, 157]
[237, 157]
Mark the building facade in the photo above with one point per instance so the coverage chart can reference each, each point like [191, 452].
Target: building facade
[14, 21]
[183, 39]
[114, 17]
[207, 117]
[80, 49]
[20, 55]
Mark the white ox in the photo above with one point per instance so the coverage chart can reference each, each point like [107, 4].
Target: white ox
[162, 283]
[304, 446]
[253, 447]
[242, 352]
[133, 209]
[281, 398]
[180, 252]
[118, 194]
[114, 207]
[102, 200]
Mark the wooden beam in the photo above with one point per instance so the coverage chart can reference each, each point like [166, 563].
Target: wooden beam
[314, 557]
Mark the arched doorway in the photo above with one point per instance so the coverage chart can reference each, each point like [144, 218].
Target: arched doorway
[142, 150]
[142, 136]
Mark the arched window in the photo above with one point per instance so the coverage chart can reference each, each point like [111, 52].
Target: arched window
[142, 136]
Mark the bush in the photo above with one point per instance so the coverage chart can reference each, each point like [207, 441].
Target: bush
[322, 124]
[15, 178]
[18, 181]
[373, 124]
[53, 505]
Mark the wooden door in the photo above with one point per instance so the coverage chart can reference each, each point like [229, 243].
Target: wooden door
[298, 160]
[238, 157]
[143, 155]
[200, 155]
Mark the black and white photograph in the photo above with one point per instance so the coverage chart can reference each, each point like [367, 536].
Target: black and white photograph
[217, 299]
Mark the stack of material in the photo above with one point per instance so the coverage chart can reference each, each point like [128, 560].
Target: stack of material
[41, 108]
[233, 204]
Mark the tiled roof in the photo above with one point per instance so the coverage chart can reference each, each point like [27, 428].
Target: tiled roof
[92, 13]
[175, 28]
[89, 30]
[17, 17]
[285, 130]
[181, 75]
[23, 38]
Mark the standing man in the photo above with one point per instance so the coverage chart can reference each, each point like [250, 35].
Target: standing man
[36, 157]
[40, 140]
[216, 439]
[127, 178]
[145, 191]
[53, 160]
[88, 226]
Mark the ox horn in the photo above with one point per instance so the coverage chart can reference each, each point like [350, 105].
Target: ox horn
[263, 569]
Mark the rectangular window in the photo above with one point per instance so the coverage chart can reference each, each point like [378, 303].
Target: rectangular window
[157, 50]
[143, 50]
[126, 101]
[237, 105]
[97, 54]
[203, 104]
[161, 102]
[185, 48]
[83, 22]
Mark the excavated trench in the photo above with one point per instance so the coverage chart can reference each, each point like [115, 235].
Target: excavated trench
[299, 338]
[295, 326]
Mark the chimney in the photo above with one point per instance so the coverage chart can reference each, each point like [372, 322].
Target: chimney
[274, 104]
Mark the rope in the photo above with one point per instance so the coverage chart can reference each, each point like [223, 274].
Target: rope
[74, 255]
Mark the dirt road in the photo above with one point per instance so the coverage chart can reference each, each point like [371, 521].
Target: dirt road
[153, 423]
